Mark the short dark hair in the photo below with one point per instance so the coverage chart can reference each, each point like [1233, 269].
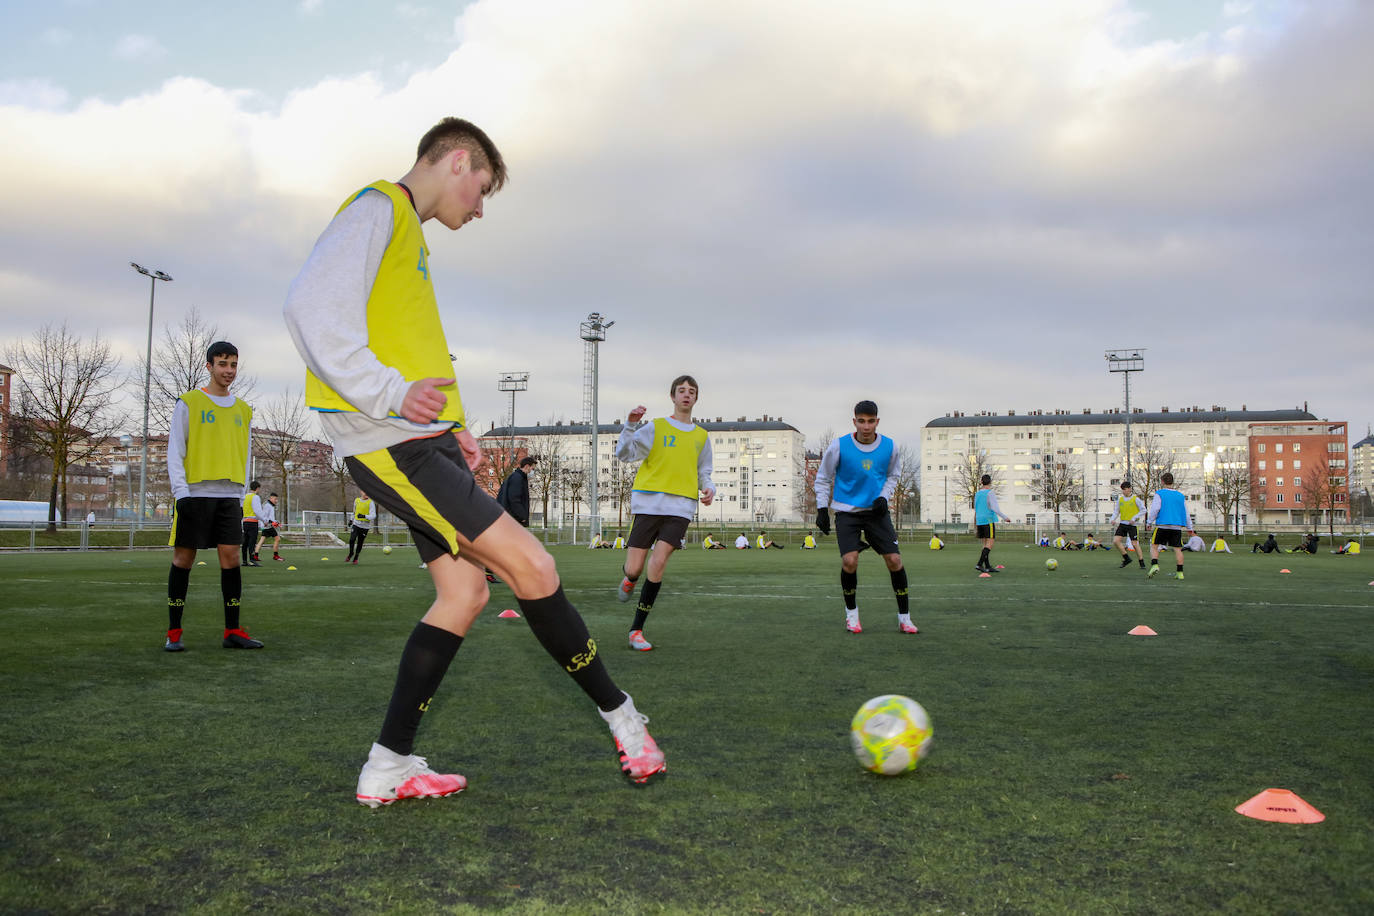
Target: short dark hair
[455, 133]
[1166, 478]
[220, 348]
[866, 408]
[270, 495]
[1125, 484]
[254, 485]
[528, 461]
[672, 389]
[985, 479]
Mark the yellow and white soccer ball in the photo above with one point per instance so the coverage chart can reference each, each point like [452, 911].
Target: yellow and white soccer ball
[386, 549]
[1051, 564]
[891, 734]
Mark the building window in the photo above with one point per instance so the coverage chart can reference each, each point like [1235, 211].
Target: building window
[1278, 465]
[1278, 447]
[1261, 448]
[1278, 497]
[1263, 482]
[1297, 497]
[1297, 446]
[1297, 465]
[1278, 481]
[1262, 466]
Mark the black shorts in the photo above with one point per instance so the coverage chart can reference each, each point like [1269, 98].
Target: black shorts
[202, 522]
[671, 529]
[987, 531]
[876, 529]
[1126, 531]
[359, 531]
[426, 483]
[1167, 537]
[250, 530]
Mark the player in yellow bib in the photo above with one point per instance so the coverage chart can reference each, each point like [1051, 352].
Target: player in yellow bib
[364, 317]
[1127, 517]
[208, 449]
[676, 456]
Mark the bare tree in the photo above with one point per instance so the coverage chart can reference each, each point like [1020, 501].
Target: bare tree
[66, 406]
[969, 471]
[1059, 483]
[278, 429]
[1324, 489]
[574, 481]
[179, 366]
[1229, 489]
[547, 471]
[622, 484]
[906, 498]
[1151, 460]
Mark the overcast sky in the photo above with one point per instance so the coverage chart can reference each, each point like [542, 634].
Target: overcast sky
[941, 206]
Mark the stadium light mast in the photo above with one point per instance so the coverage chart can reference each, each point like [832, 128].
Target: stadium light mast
[153, 276]
[512, 382]
[593, 331]
[1095, 445]
[1127, 361]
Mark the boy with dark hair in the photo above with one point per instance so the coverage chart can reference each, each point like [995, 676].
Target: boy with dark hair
[1168, 516]
[208, 452]
[362, 524]
[514, 494]
[986, 511]
[270, 528]
[857, 475]
[364, 316]
[676, 456]
[252, 510]
[1126, 516]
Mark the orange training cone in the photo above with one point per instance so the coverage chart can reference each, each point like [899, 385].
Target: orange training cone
[1141, 630]
[985, 575]
[1280, 805]
[1285, 570]
[508, 612]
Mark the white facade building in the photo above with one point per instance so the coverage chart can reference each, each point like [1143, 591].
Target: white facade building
[1092, 445]
[759, 470]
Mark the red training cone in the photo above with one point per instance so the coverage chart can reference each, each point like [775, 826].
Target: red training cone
[1280, 805]
[508, 612]
[1141, 630]
[985, 575]
[1285, 570]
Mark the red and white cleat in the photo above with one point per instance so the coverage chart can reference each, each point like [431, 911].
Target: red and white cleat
[388, 777]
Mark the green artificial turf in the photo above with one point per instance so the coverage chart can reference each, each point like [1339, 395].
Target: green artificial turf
[1075, 768]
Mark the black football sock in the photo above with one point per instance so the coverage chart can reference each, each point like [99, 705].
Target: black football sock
[1180, 566]
[1142, 562]
[424, 662]
[231, 587]
[899, 587]
[1154, 561]
[177, 582]
[849, 585]
[647, 596]
[983, 557]
[563, 634]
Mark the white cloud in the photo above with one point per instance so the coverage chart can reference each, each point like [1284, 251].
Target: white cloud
[762, 193]
[135, 47]
[40, 94]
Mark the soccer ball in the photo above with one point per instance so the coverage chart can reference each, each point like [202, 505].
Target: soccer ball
[1051, 564]
[890, 734]
[386, 549]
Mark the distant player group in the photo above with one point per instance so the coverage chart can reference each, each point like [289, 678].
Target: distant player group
[363, 314]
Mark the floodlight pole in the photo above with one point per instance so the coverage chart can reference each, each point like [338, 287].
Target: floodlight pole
[1127, 361]
[593, 331]
[153, 276]
[1095, 444]
[512, 382]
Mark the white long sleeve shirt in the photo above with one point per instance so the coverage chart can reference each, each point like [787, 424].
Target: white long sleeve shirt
[825, 474]
[635, 442]
[326, 315]
[176, 457]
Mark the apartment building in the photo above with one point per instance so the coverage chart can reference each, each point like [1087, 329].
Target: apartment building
[1299, 472]
[1197, 443]
[759, 469]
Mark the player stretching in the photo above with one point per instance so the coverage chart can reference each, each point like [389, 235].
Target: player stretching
[363, 314]
[208, 451]
[858, 473]
[1126, 518]
[985, 515]
[1168, 516]
[677, 465]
